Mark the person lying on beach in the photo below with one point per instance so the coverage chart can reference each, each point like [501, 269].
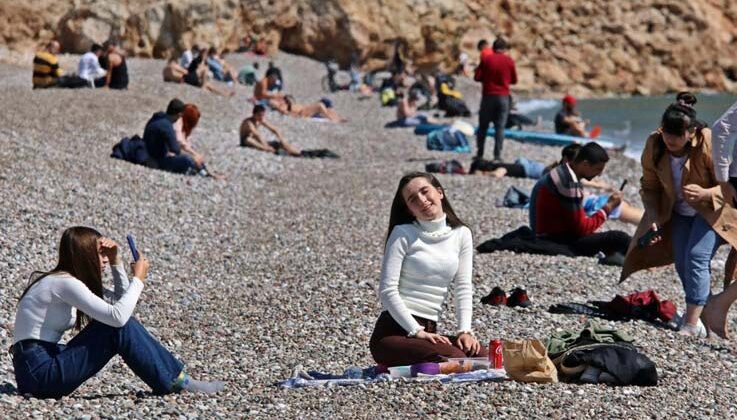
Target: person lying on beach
[557, 211]
[197, 75]
[264, 96]
[183, 128]
[221, 70]
[71, 295]
[313, 110]
[427, 248]
[686, 211]
[251, 137]
[173, 72]
[162, 145]
[568, 119]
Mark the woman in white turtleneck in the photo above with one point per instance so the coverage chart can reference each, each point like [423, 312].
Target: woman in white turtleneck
[428, 247]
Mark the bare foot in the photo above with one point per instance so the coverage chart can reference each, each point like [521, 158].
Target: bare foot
[498, 172]
[714, 315]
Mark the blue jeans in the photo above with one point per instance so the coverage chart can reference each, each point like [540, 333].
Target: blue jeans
[180, 164]
[694, 245]
[50, 370]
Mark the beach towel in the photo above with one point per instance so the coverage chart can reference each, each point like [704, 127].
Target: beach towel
[448, 140]
[357, 376]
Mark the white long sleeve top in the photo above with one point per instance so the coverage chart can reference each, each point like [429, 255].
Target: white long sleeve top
[723, 137]
[49, 308]
[420, 261]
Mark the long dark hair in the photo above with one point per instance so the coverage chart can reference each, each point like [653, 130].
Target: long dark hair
[78, 256]
[401, 215]
[679, 119]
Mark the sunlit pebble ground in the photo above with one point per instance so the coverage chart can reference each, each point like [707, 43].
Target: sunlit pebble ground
[279, 265]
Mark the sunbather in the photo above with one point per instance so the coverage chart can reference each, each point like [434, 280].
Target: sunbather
[407, 114]
[183, 128]
[313, 110]
[197, 76]
[264, 96]
[251, 137]
[173, 72]
[221, 70]
[114, 62]
[427, 247]
[44, 368]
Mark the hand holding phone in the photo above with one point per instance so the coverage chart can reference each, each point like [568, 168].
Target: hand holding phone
[624, 184]
[132, 245]
[651, 236]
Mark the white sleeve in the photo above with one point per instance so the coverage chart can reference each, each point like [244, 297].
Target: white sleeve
[391, 267]
[75, 293]
[463, 283]
[120, 281]
[724, 135]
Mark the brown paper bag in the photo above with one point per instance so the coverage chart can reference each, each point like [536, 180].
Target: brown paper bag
[528, 361]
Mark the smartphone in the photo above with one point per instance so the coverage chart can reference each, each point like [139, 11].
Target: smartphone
[132, 245]
[624, 184]
[645, 239]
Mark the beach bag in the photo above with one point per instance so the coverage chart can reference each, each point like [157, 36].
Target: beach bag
[528, 361]
[514, 198]
[388, 97]
[445, 167]
[448, 140]
[132, 150]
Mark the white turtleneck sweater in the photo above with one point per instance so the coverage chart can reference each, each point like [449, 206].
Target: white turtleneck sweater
[420, 261]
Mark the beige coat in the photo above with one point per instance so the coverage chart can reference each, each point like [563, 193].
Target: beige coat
[659, 197]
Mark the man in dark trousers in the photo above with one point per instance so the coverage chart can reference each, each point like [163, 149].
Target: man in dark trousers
[496, 72]
[161, 141]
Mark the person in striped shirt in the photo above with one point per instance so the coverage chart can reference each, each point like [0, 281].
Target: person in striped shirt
[46, 71]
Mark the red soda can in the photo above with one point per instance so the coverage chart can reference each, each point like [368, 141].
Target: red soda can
[495, 354]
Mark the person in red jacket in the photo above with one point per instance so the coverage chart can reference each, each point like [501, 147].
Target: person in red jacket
[496, 72]
[557, 213]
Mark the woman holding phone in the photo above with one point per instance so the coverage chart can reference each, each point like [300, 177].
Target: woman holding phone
[686, 219]
[71, 296]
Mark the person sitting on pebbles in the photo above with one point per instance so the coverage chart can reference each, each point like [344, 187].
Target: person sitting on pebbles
[173, 72]
[71, 295]
[427, 247]
[251, 137]
[162, 145]
[262, 94]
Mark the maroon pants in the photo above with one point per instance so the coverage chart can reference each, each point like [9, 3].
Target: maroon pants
[390, 345]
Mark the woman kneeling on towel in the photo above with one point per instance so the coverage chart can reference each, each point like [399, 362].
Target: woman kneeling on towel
[71, 295]
[427, 247]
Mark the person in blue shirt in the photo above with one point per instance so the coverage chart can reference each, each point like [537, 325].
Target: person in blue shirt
[161, 141]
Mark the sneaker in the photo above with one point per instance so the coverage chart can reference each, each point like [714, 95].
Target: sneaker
[698, 330]
[518, 297]
[497, 297]
[615, 259]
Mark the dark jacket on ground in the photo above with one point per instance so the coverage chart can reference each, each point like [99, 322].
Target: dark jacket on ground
[160, 137]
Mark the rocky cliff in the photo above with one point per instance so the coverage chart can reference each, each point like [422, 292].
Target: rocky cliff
[579, 46]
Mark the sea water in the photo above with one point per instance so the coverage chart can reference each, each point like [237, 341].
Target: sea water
[628, 120]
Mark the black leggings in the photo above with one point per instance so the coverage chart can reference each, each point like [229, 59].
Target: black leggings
[514, 170]
[607, 242]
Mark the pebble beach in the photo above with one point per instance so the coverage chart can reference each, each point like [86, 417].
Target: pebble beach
[278, 265]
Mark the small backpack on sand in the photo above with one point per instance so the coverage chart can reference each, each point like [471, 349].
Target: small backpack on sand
[132, 150]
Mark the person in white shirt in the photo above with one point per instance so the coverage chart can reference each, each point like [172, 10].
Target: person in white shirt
[427, 248]
[71, 295]
[89, 67]
[188, 55]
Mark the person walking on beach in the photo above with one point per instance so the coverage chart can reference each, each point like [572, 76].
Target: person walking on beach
[71, 296]
[496, 72]
[427, 247]
[557, 210]
[684, 205]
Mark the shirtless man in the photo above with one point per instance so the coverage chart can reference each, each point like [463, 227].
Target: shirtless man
[316, 109]
[173, 72]
[250, 136]
[261, 92]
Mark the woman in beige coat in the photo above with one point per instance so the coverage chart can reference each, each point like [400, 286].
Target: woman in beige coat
[683, 203]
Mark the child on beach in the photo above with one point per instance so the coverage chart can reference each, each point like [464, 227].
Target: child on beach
[44, 368]
[684, 205]
[427, 248]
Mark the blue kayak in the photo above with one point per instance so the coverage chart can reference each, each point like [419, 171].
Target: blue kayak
[538, 137]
